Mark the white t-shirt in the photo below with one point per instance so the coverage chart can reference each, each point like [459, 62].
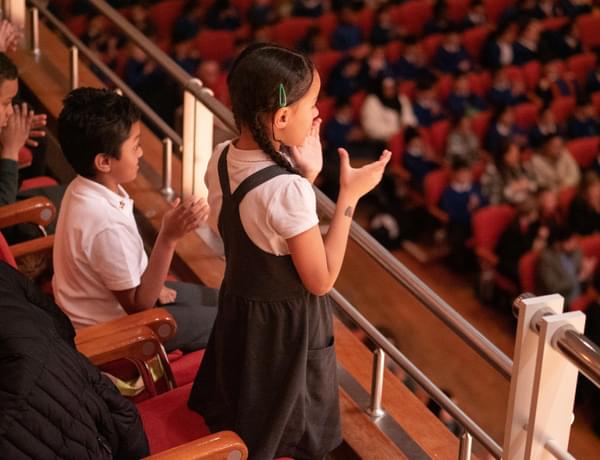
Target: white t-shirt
[271, 213]
[97, 249]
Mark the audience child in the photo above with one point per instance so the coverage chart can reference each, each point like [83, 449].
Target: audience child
[568, 43]
[451, 56]
[384, 30]
[224, 15]
[439, 22]
[476, 16]
[262, 13]
[584, 213]
[264, 208]
[561, 267]
[308, 8]
[462, 142]
[426, 107]
[463, 101]
[553, 84]
[348, 77]
[459, 200]
[593, 79]
[499, 48]
[347, 34]
[101, 271]
[412, 65]
[545, 126]
[506, 92]
[187, 25]
[503, 129]
[418, 159]
[524, 233]
[584, 121]
[507, 179]
[526, 46]
[549, 210]
[553, 166]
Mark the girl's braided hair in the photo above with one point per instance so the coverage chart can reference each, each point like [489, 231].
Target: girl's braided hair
[256, 81]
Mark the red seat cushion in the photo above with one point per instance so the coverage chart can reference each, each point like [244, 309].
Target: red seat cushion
[168, 422]
[185, 368]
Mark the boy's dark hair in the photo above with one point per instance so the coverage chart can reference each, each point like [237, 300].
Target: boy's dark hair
[410, 133]
[94, 121]
[8, 69]
[341, 102]
[459, 164]
[560, 233]
[254, 86]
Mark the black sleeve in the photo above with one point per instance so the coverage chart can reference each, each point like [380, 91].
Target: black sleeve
[9, 181]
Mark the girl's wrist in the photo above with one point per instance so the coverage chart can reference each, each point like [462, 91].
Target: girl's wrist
[345, 199]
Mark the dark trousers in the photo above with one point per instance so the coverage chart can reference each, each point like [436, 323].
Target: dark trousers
[194, 310]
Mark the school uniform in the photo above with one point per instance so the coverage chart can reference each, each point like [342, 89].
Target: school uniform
[98, 250]
[269, 371]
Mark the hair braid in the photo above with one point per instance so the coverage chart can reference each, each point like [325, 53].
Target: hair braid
[263, 141]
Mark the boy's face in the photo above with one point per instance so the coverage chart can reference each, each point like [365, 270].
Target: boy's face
[125, 169]
[8, 90]
[462, 176]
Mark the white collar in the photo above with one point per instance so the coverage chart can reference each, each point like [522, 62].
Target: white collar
[120, 200]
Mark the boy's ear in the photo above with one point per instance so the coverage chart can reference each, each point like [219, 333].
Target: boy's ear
[281, 118]
[102, 163]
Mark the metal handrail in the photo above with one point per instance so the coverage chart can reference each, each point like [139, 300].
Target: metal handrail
[414, 372]
[448, 315]
[148, 112]
[169, 65]
[399, 272]
[576, 347]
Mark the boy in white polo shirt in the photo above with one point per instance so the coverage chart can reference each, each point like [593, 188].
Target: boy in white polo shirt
[101, 271]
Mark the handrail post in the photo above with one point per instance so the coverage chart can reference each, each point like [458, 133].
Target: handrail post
[34, 31]
[375, 409]
[74, 67]
[465, 447]
[167, 168]
[198, 124]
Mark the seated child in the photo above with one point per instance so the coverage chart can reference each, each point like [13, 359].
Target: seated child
[451, 56]
[584, 122]
[418, 158]
[101, 271]
[459, 200]
[561, 267]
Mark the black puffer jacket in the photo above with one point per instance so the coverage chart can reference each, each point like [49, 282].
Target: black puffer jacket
[53, 402]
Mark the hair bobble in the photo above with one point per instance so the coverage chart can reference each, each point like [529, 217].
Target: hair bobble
[282, 96]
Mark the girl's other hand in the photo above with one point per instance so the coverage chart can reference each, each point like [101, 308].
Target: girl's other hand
[167, 295]
[356, 182]
[308, 158]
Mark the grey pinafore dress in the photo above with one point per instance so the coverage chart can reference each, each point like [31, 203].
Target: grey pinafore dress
[269, 371]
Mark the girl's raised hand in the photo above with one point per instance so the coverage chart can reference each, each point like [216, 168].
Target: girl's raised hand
[308, 158]
[356, 182]
[184, 216]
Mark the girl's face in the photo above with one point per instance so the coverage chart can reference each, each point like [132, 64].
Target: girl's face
[301, 115]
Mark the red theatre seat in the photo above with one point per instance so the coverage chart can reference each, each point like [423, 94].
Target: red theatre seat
[581, 65]
[563, 107]
[412, 15]
[215, 44]
[473, 40]
[290, 31]
[588, 26]
[584, 150]
[163, 15]
[526, 115]
[527, 265]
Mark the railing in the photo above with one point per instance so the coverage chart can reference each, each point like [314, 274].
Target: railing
[199, 107]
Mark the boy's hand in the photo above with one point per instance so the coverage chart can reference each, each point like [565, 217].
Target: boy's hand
[184, 217]
[356, 182]
[167, 295]
[14, 135]
[37, 125]
[308, 158]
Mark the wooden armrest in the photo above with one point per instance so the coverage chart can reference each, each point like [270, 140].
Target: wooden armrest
[487, 256]
[438, 214]
[32, 246]
[139, 344]
[217, 446]
[36, 210]
[159, 320]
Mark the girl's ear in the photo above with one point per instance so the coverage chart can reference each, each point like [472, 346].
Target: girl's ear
[102, 163]
[281, 118]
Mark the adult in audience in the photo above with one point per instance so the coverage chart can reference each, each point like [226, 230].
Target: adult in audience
[553, 166]
[584, 213]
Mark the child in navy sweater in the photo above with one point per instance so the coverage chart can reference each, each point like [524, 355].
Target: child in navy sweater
[459, 200]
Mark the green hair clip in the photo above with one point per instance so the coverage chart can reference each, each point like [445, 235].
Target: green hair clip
[282, 96]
